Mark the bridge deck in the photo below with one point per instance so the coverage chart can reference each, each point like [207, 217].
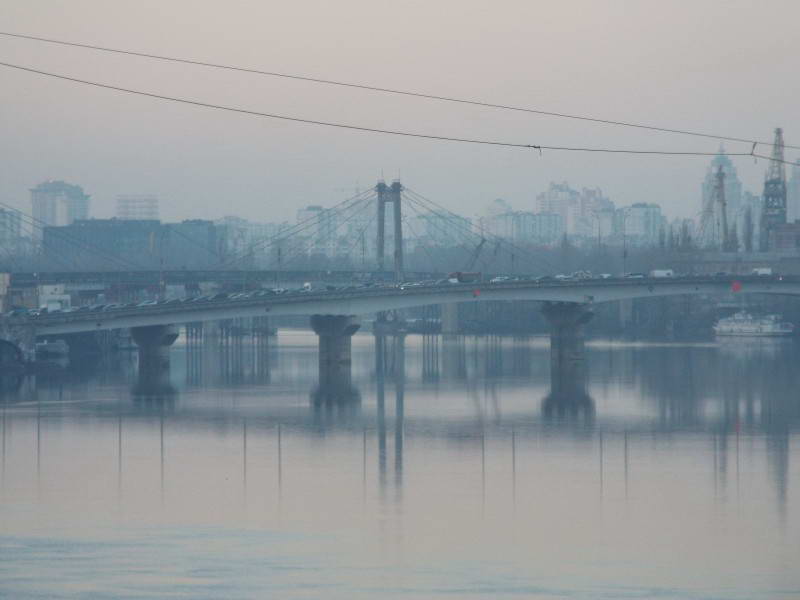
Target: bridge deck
[373, 299]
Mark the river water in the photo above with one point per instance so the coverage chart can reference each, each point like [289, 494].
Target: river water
[451, 472]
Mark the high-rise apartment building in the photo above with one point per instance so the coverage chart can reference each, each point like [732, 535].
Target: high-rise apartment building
[711, 207]
[562, 200]
[56, 203]
[321, 226]
[641, 224]
[137, 207]
[541, 228]
[583, 214]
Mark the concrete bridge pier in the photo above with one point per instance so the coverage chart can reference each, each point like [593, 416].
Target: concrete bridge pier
[335, 336]
[568, 367]
[154, 342]
[451, 324]
[567, 350]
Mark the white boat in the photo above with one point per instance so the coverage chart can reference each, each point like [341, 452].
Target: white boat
[745, 324]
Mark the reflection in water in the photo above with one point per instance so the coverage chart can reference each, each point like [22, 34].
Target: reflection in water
[234, 441]
[568, 399]
[430, 357]
[399, 407]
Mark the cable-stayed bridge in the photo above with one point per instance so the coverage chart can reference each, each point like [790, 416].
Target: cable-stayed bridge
[334, 312]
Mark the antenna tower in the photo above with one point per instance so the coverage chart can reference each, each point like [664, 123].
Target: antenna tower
[773, 211]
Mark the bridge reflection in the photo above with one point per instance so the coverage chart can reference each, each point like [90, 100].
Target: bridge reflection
[456, 388]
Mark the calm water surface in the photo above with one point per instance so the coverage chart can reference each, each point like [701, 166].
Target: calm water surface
[456, 473]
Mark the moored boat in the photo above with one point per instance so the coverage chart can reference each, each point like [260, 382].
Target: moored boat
[745, 324]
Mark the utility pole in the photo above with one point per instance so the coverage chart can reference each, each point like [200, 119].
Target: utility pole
[624, 240]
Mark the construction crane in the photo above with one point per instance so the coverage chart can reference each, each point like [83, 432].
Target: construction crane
[773, 212]
[475, 254]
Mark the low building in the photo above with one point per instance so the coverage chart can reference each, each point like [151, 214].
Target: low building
[114, 244]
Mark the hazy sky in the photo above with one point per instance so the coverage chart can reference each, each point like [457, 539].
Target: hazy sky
[724, 67]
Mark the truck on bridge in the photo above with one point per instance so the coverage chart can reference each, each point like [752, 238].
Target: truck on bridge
[464, 277]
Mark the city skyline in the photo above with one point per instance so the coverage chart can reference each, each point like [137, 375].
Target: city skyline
[361, 299]
[582, 214]
[215, 164]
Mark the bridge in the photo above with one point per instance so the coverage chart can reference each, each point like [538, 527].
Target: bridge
[143, 278]
[367, 300]
[334, 313]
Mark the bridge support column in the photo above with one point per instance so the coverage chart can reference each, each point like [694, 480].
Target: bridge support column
[335, 333]
[154, 342]
[625, 313]
[567, 352]
[450, 322]
[335, 336]
[568, 395]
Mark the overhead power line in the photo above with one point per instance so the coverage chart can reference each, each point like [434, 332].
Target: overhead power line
[393, 91]
[427, 136]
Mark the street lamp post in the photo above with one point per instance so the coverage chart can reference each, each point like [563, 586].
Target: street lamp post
[596, 215]
[625, 212]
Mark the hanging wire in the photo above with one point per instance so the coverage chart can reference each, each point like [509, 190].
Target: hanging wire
[372, 88]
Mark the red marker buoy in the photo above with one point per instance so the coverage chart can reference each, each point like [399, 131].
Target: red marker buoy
[736, 286]
[476, 293]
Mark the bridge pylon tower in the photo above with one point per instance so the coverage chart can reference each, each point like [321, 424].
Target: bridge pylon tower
[390, 194]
